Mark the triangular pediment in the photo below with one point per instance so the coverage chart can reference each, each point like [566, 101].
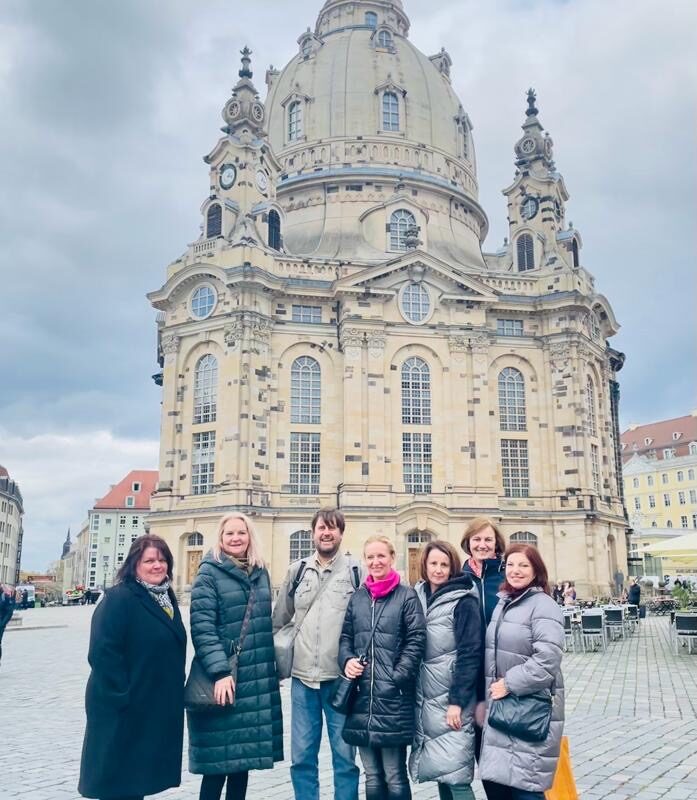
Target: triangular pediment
[417, 265]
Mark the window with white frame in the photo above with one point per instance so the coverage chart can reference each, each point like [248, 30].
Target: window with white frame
[669, 452]
[385, 39]
[295, 121]
[692, 448]
[683, 521]
[590, 407]
[649, 480]
[682, 498]
[635, 483]
[523, 537]
[203, 302]
[512, 413]
[194, 539]
[122, 521]
[690, 474]
[526, 252]
[305, 391]
[304, 463]
[400, 222]
[693, 495]
[595, 467]
[417, 462]
[419, 537]
[637, 504]
[415, 303]
[135, 521]
[416, 392]
[130, 501]
[594, 325]
[515, 468]
[94, 524]
[681, 476]
[135, 486]
[205, 389]
[300, 545]
[664, 477]
[676, 436]
[509, 327]
[666, 499]
[307, 314]
[390, 112]
[203, 462]
[121, 539]
[652, 501]
[371, 19]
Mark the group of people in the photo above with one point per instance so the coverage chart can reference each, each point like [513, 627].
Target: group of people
[564, 593]
[7, 608]
[427, 663]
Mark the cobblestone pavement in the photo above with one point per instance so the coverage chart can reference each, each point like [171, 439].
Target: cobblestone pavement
[632, 717]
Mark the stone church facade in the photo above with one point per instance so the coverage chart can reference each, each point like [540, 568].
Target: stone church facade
[337, 337]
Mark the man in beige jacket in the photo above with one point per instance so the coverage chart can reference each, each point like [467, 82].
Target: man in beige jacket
[316, 592]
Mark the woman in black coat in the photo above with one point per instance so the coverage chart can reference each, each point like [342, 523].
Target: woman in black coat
[226, 743]
[135, 692]
[381, 722]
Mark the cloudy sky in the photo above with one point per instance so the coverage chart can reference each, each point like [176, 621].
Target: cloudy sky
[108, 107]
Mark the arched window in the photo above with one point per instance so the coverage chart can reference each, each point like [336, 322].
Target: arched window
[300, 545]
[574, 252]
[205, 389]
[419, 537]
[385, 39]
[526, 253]
[416, 392]
[203, 301]
[371, 19]
[415, 303]
[295, 121]
[400, 222]
[669, 524]
[306, 47]
[390, 112]
[590, 407]
[214, 221]
[194, 540]
[523, 537]
[305, 391]
[512, 400]
[274, 230]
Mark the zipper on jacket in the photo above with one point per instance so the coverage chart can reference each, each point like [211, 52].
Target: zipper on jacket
[483, 585]
[372, 664]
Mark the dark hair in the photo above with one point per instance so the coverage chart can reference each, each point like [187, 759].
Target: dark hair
[478, 524]
[127, 572]
[331, 517]
[539, 569]
[447, 549]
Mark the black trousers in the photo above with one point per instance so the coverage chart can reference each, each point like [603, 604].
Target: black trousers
[212, 786]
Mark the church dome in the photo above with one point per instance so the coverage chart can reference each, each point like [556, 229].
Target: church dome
[360, 103]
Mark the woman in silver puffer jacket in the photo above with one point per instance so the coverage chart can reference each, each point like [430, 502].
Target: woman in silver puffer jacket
[530, 631]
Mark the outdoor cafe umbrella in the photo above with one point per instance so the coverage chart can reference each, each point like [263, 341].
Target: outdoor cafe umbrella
[682, 547]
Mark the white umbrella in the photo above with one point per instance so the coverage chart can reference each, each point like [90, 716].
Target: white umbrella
[680, 547]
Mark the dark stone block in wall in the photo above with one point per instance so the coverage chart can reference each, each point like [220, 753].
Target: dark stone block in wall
[570, 472]
[352, 458]
[365, 468]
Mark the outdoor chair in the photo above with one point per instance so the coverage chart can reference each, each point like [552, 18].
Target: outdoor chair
[569, 634]
[632, 618]
[593, 630]
[685, 631]
[614, 621]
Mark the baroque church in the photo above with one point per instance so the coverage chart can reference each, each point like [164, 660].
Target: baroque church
[337, 337]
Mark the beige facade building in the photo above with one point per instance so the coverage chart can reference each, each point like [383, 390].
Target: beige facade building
[336, 336]
[11, 531]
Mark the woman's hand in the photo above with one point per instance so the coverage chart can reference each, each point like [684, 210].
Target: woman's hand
[480, 713]
[224, 691]
[353, 668]
[453, 716]
[498, 690]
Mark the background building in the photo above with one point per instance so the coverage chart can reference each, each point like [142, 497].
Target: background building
[114, 522]
[11, 513]
[336, 336]
[660, 486]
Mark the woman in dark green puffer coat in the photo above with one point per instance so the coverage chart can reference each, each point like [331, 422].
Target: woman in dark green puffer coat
[229, 741]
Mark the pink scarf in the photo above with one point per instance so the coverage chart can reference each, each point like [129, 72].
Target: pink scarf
[379, 589]
[475, 566]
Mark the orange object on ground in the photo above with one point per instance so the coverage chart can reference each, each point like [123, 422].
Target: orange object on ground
[564, 787]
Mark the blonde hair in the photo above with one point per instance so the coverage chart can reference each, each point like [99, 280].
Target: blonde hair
[254, 556]
[383, 540]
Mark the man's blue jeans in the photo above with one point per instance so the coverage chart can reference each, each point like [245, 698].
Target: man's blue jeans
[307, 707]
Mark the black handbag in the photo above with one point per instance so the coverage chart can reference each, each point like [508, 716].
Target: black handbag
[526, 717]
[198, 691]
[344, 689]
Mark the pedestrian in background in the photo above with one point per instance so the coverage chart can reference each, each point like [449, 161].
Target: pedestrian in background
[634, 593]
[570, 594]
[246, 732]
[381, 722]
[7, 608]
[523, 656]
[483, 544]
[446, 695]
[331, 577]
[135, 692]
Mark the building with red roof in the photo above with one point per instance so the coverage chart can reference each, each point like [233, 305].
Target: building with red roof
[114, 522]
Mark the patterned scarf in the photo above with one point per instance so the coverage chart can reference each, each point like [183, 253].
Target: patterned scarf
[160, 594]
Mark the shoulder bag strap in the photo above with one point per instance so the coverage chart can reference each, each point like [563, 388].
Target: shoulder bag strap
[323, 585]
[237, 649]
[298, 577]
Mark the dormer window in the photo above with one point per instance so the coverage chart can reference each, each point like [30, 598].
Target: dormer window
[371, 19]
[400, 222]
[135, 486]
[390, 112]
[385, 39]
[295, 121]
[676, 436]
[274, 230]
[214, 221]
[648, 440]
[526, 253]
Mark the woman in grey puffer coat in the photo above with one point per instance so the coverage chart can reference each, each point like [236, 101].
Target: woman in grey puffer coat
[443, 747]
[530, 631]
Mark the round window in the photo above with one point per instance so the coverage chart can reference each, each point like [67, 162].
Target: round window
[203, 302]
[415, 303]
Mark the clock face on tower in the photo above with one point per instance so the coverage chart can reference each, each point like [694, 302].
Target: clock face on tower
[529, 207]
[527, 145]
[262, 180]
[228, 176]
